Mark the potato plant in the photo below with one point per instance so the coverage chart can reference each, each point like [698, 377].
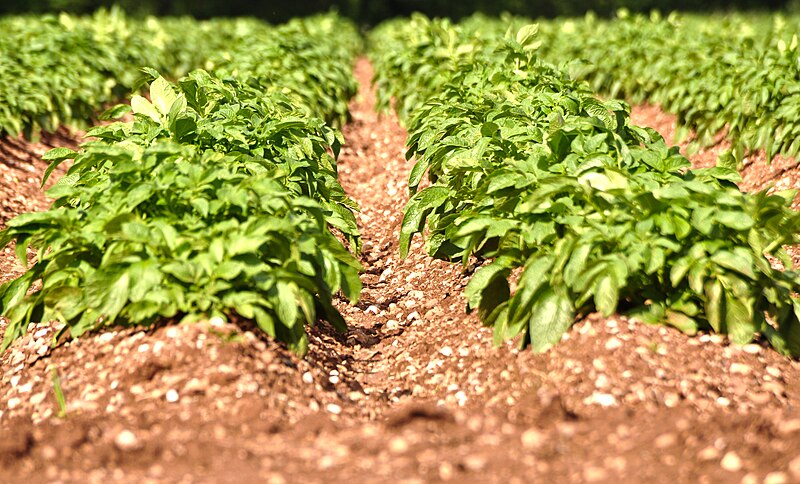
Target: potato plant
[733, 73]
[531, 172]
[218, 199]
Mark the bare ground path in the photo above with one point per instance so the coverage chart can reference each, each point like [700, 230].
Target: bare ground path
[414, 392]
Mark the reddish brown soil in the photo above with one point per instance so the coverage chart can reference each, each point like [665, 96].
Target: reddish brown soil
[414, 392]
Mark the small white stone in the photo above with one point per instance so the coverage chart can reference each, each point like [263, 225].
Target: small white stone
[613, 344]
[398, 445]
[731, 462]
[602, 399]
[794, 467]
[308, 377]
[333, 408]
[776, 477]
[532, 439]
[602, 382]
[18, 358]
[172, 396]
[126, 440]
[709, 453]
[740, 369]
[446, 351]
[789, 426]
[216, 321]
[666, 440]
[752, 349]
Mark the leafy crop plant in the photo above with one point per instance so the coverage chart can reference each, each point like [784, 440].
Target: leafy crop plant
[533, 173]
[217, 200]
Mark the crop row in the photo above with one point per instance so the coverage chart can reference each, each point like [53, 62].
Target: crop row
[573, 208]
[216, 200]
[732, 73]
[61, 70]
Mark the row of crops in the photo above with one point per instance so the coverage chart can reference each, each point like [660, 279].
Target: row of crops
[63, 70]
[217, 199]
[736, 73]
[569, 201]
[217, 195]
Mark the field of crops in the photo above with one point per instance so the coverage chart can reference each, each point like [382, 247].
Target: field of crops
[428, 252]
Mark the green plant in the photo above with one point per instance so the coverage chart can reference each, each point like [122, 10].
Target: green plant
[59, 394]
[217, 199]
[530, 170]
[718, 73]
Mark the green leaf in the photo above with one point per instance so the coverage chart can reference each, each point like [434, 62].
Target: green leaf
[115, 112]
[495, 291]
[527, 33]
[606, 295]
[56, 156]
[533, 277]
[576, 264]
[739, 319]
[681, 321]
[287, 304]
[162, 95]
[735, 262]
[416, 211]
[736, 220]
[715, 305]
[140, 105]
[551, 316]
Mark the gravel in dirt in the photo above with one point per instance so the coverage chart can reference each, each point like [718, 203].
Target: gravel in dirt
[413, 392]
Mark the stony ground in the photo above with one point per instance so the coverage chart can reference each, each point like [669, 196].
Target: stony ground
[413, 392]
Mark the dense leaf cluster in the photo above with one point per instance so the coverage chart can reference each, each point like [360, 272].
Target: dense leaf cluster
[218, 199]
[313, 75]
[58, 70]
[61, 70]
[715, 72]
[531, 170]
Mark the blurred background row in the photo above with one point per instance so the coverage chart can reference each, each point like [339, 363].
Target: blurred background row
[370, 12]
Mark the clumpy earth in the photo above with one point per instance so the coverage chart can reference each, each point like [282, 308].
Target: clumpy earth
[415, 391]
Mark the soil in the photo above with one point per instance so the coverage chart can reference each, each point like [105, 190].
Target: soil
[415, 391]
